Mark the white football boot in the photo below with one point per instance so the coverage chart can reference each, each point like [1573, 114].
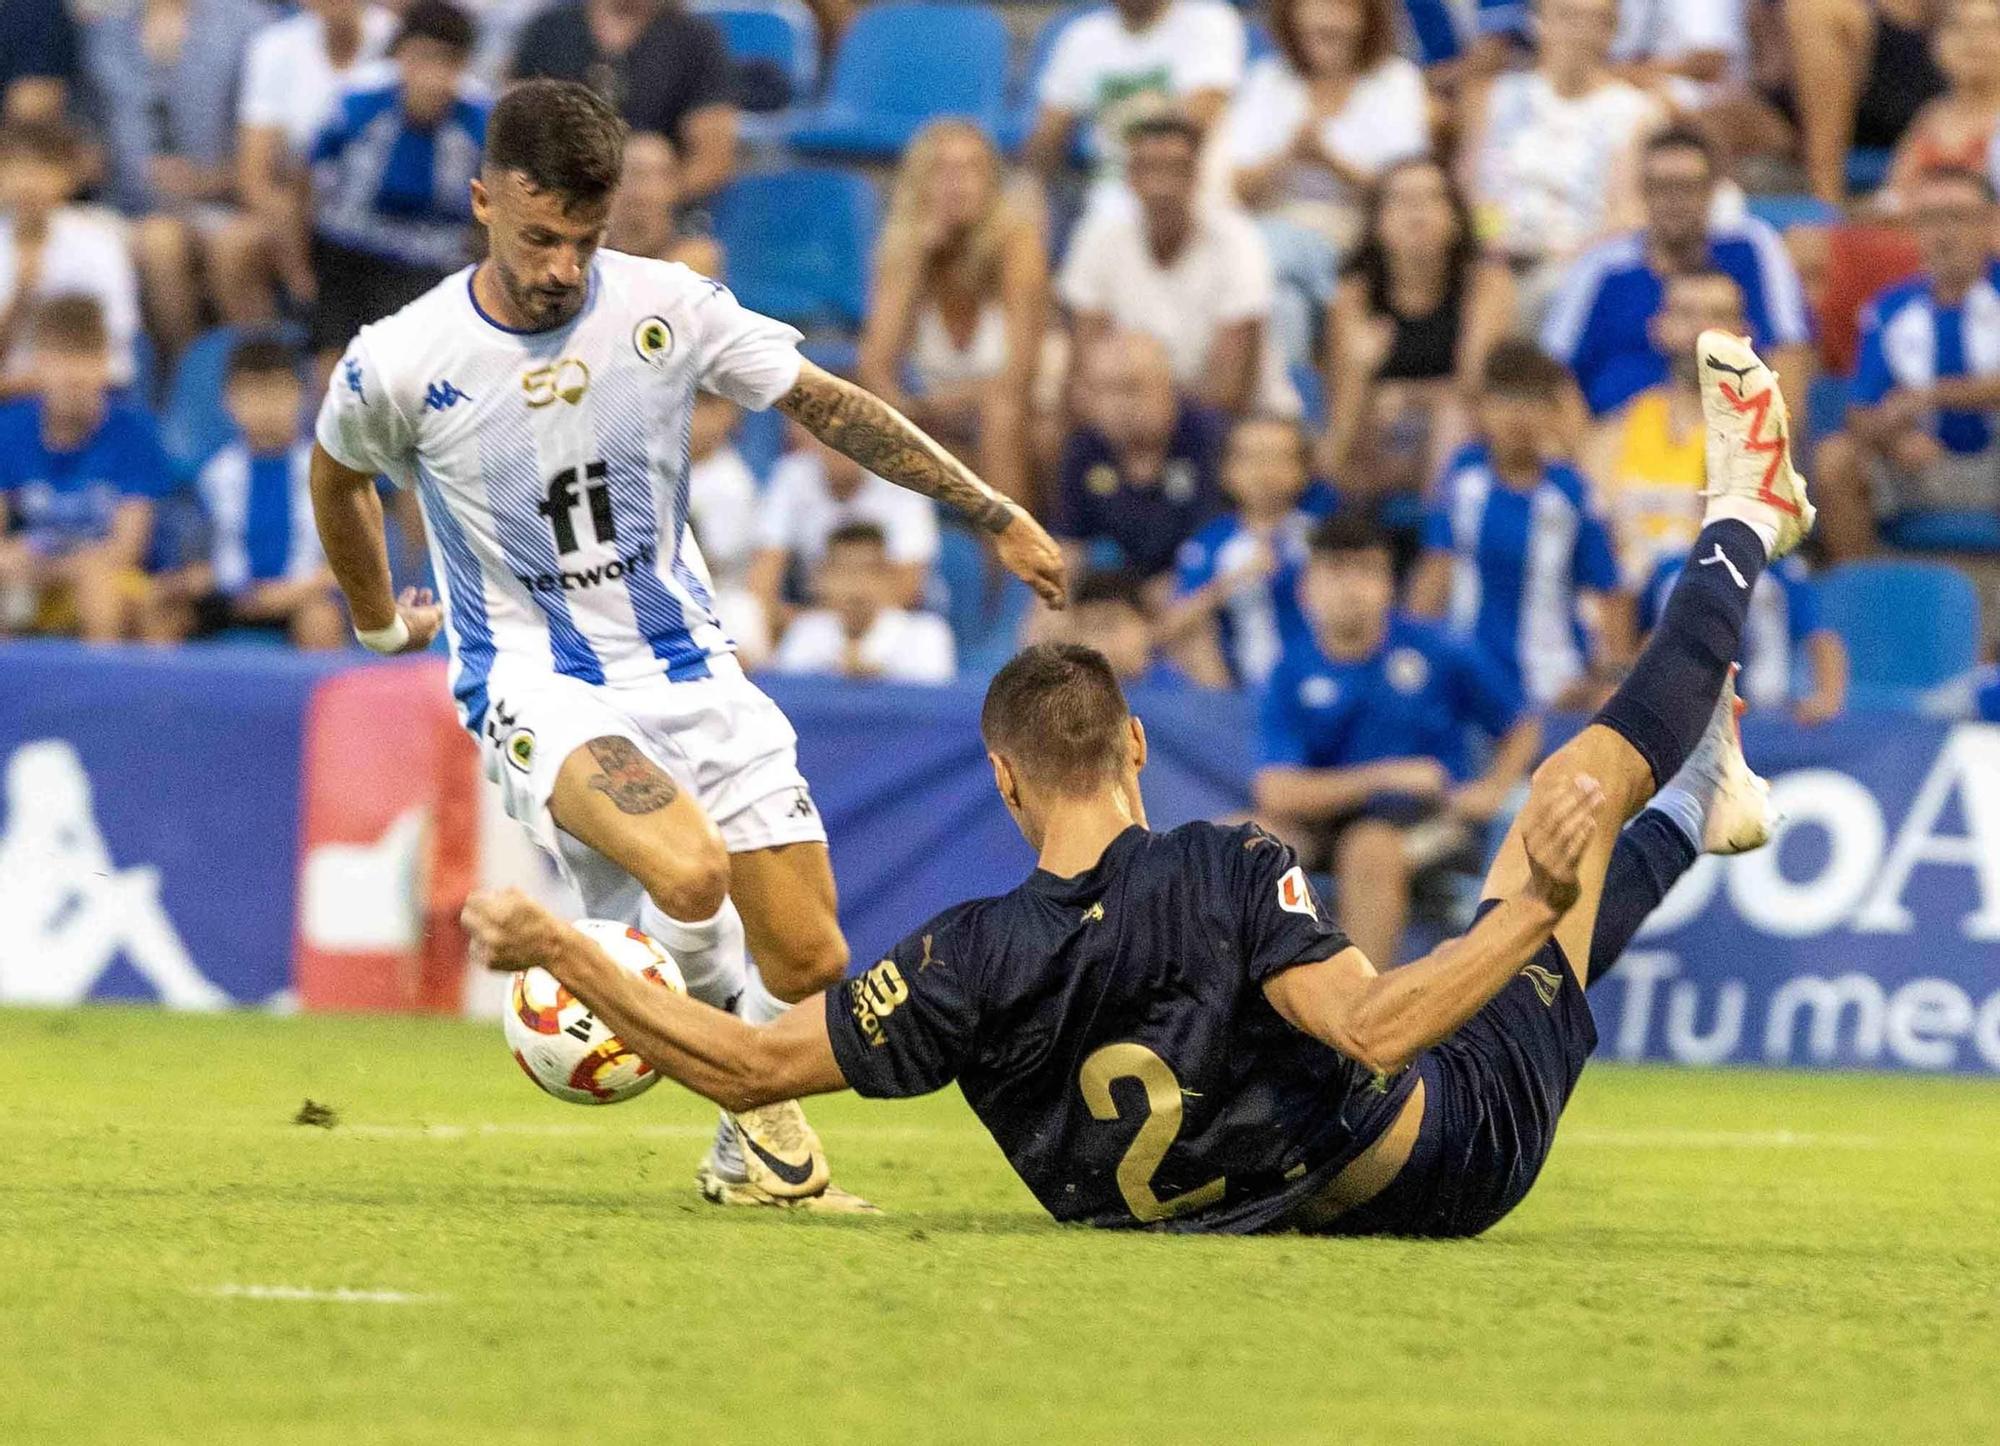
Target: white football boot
[771, 1156]
[1750, 472]
[1740, 815]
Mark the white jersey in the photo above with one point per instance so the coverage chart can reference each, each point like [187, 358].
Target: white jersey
[553, 465]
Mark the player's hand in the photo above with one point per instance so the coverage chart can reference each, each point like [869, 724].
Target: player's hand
[421, 614]
[1028, 552]
[1556, 829]
[510, 931]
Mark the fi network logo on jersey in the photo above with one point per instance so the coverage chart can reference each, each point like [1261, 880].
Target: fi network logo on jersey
[442, 396]
[1293, 895]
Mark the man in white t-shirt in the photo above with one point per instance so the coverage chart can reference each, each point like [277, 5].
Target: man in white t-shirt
[814, 490]
[858, 631]
[1115, 64]
[1193, 274]
[1691, 52]
[293, 73]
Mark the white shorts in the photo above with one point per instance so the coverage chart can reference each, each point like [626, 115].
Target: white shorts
[719, 738]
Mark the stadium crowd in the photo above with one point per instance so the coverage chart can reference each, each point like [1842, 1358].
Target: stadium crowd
[1347, 344]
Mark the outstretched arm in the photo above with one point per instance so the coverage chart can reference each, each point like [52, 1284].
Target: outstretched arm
[1383, 1021]
[736, 1065]
[860, 424]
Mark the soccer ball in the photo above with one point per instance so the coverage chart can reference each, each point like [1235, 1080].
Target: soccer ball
[566, 1049]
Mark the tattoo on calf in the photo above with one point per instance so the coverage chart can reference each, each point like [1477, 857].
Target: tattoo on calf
[866, 428]
[630, 779]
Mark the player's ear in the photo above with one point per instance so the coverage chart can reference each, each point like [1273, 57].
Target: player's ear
[1135, 754]
[1003, 779]
[482, 204]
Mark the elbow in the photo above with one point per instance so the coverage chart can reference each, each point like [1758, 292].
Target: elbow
[1373, 1044]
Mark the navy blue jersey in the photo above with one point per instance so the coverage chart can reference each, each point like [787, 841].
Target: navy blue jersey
[1111, 1032]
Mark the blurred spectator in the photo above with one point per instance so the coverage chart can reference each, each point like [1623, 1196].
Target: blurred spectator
[38, 60]
[292, 78]
[723, 509]
[1958, 128]
[1185, 269]
[1693, 53]
[1598, 322]
[1139, 474]
[1783, 640]
[166, 75]
[1926, 396]
[858, 630]
[1514, 550]
[1111, 611]
[392, 216]
[960, 301]
[1363, 754]
[813, 491]
[1649, 458]
[1236, 580]
[78, 477]
[1863, 71]
[665, 69]
[265, 567]
[1415, 315]
[50, 248]
[1306, 137]
[1550, 155]
[642, 209]
[1132, 59]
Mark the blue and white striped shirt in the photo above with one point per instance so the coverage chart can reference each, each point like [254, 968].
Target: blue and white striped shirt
[390, 189]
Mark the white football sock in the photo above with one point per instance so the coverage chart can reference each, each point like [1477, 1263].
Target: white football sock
[758, 1004]
[713, 958]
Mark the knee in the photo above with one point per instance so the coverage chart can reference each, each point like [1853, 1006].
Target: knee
[807, 955]
[689, 880]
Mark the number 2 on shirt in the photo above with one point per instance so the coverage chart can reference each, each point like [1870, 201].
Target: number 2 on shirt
[1129, 1060]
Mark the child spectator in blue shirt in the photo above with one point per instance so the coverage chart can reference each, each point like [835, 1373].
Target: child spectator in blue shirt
[1236, 580]
[1514, 548]
[265, 568]
[78, 478]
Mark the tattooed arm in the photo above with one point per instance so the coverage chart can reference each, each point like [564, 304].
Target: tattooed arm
[866, 428]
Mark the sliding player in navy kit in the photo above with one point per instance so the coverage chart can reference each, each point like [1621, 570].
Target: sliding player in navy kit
[1164, 1029]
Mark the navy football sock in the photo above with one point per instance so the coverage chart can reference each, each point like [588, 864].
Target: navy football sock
[1663, 708]
[1651, 855]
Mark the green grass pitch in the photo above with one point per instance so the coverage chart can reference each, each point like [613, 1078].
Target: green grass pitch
[1709, 1257]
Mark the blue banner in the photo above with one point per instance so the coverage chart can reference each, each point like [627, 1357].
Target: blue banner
[149, 842]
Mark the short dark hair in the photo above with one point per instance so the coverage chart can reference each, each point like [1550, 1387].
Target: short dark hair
[261, 356]
[1517, 367]
[1346, 532]
[1960, 175]
[1166, 123]
[40, 140]
[438, 20]
[1056, 712]
[560, 137]
[1111, 585]
[1683, 138]
[849, 533]
[72, 323]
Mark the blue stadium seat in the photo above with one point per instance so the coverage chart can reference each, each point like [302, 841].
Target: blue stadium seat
[1970, 531]
[1785, 211]
[798, 243]
[192, 421]
[1910, 626]
[760, 441]
[983, 606]
[901, 65]
[782, 32]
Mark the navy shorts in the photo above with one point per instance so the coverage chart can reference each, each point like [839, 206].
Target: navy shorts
[1492, 1095]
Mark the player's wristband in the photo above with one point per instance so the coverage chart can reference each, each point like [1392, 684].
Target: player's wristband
[392, 639]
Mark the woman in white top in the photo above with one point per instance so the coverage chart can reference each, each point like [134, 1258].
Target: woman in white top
[1308, 133]
[960, 301]
[1550, 154]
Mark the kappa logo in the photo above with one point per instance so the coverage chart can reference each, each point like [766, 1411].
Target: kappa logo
[802, 805]
[442, 396]
[1295, 895]
[351, 370]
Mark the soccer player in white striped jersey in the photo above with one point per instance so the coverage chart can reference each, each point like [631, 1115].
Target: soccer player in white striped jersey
[539, 404]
